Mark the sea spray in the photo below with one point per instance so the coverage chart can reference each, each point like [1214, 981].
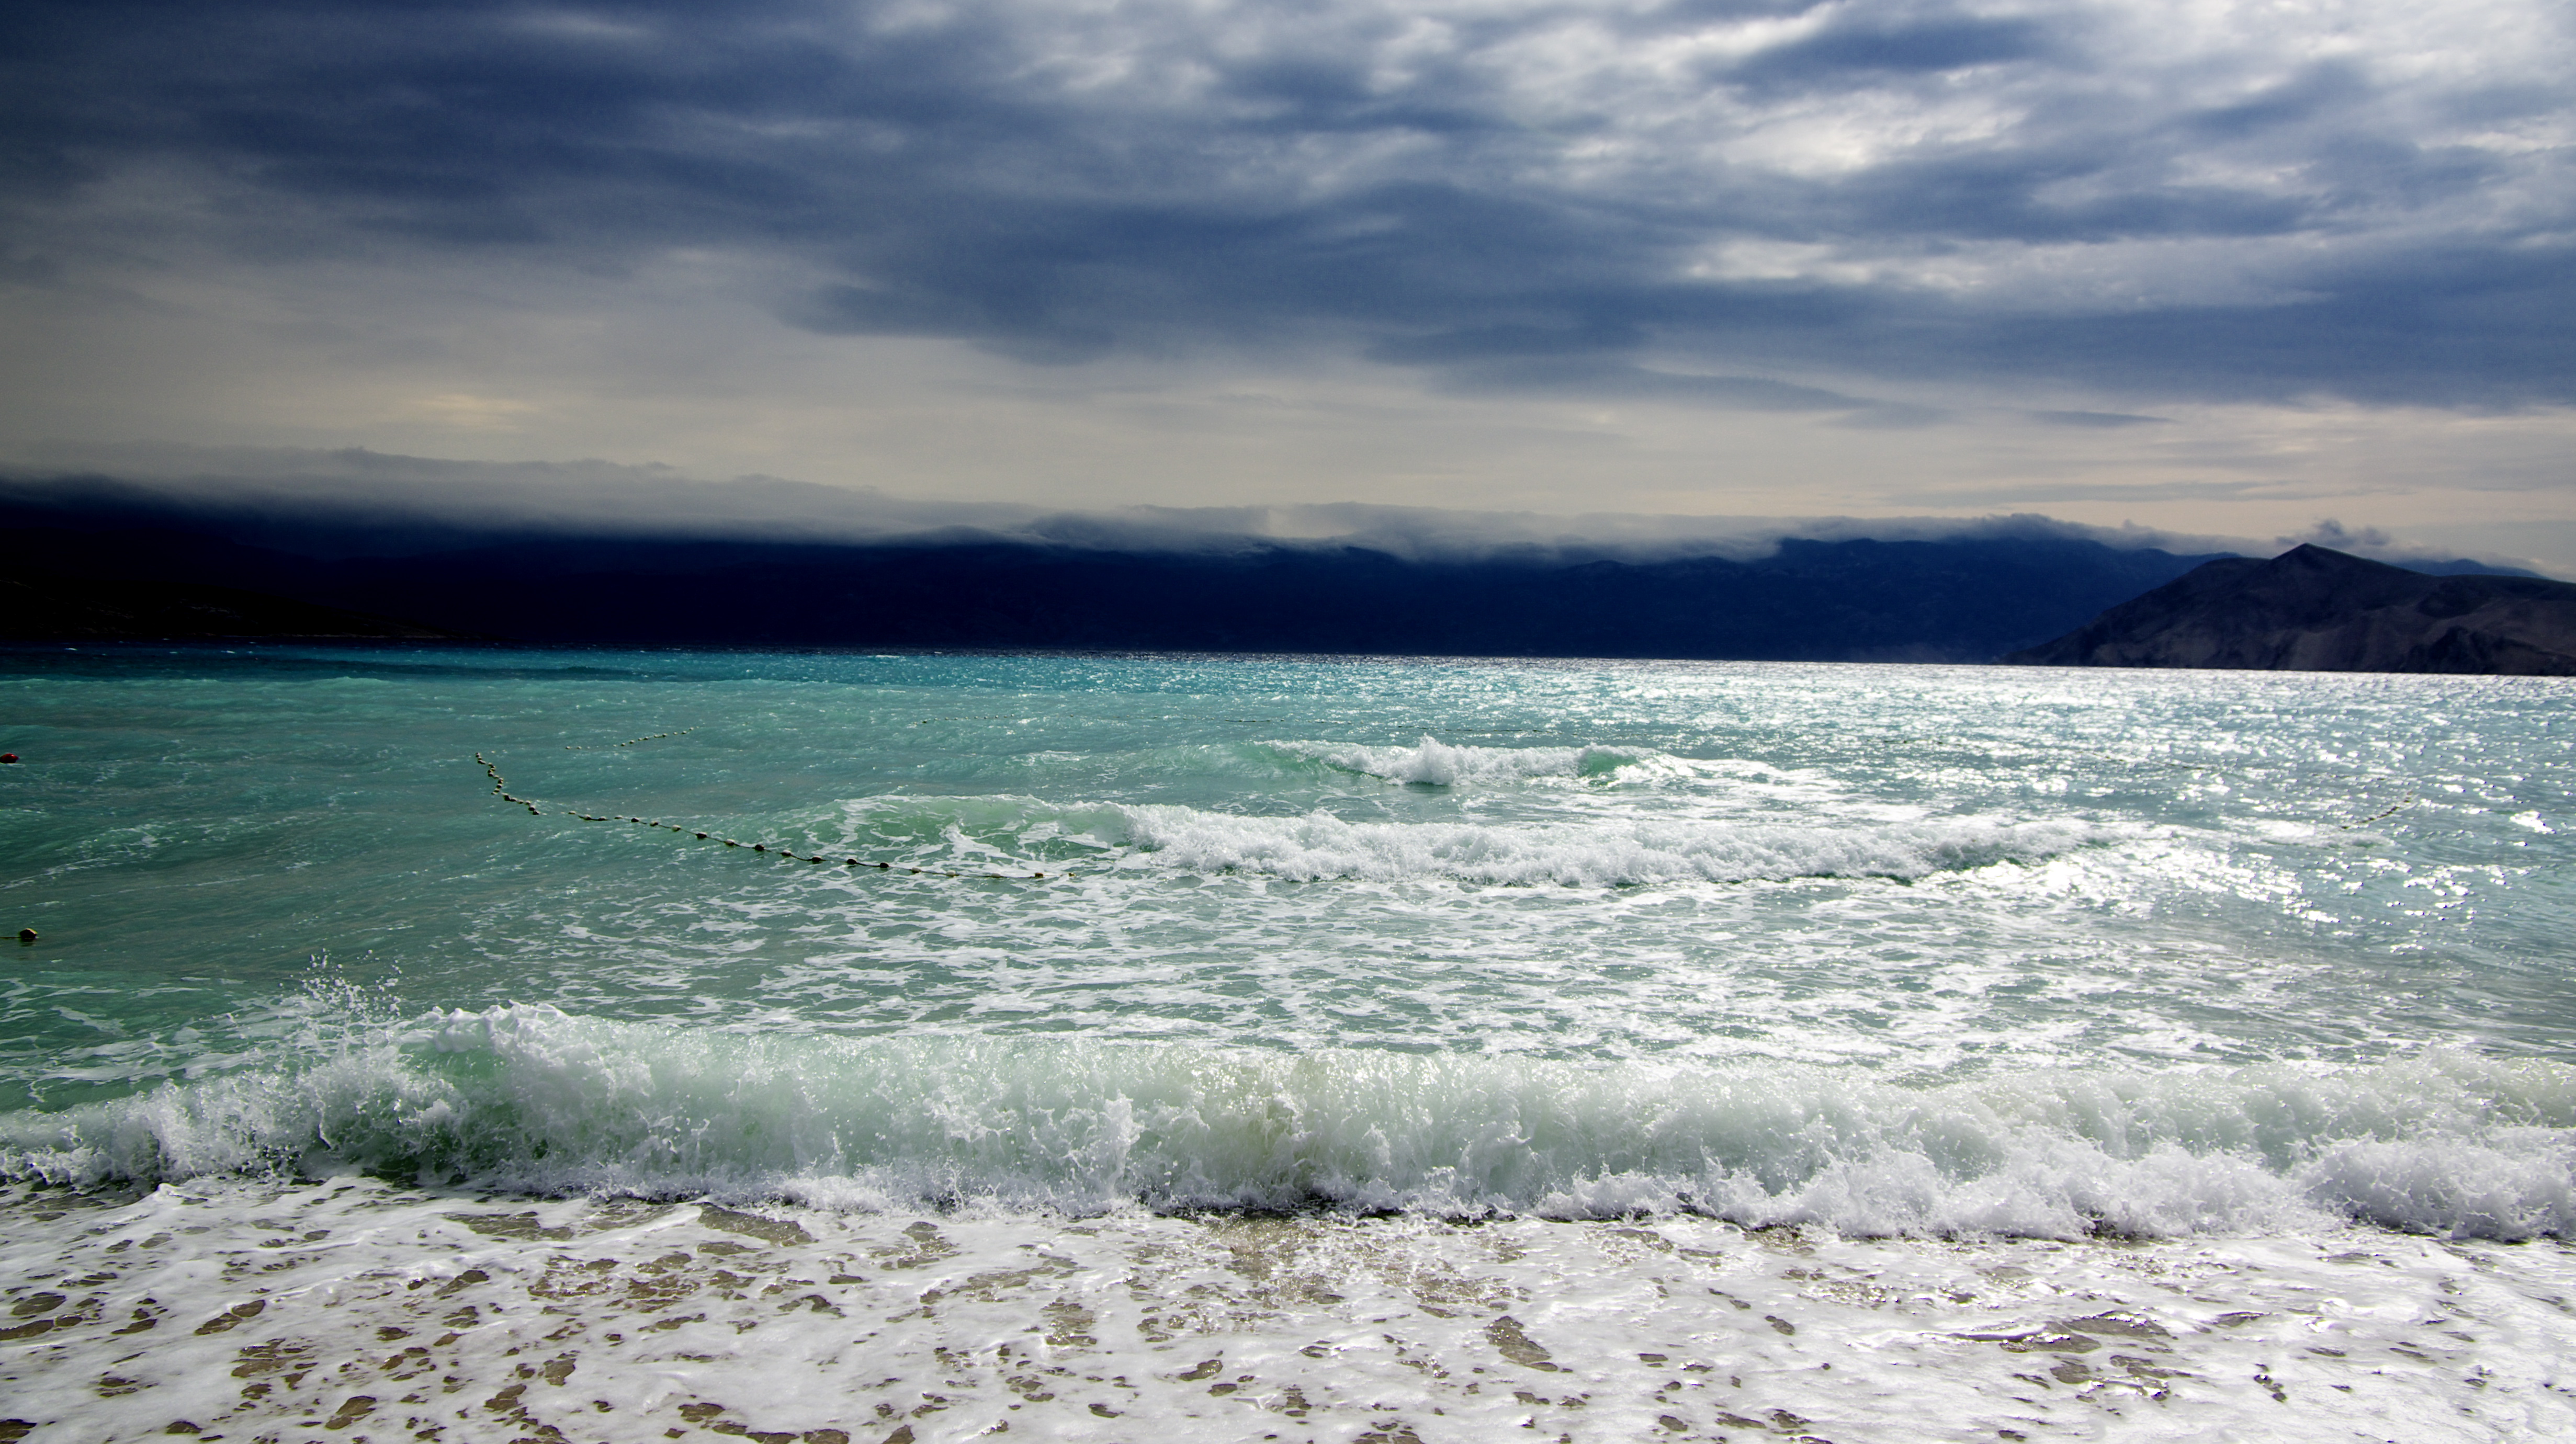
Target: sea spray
[534, 1098]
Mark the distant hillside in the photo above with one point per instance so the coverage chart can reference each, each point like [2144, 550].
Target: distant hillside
[1963, 599]
[2316, 610]
[46, 607]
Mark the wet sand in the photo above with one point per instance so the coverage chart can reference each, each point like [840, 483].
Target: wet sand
[348, 1309]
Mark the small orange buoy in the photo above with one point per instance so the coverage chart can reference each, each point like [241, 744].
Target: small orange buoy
[8, 756]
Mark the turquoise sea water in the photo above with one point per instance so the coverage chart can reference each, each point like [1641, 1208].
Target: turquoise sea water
[1268, 1049]
[1889, 948]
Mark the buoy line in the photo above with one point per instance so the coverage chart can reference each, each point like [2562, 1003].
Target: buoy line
[629, 742]
[2401, 806]
[501, 789]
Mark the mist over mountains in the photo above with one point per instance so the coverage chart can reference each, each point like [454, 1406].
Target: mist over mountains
[358, 502]
[554, 560]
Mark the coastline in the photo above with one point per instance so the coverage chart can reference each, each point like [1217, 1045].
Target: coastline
[348, 1308]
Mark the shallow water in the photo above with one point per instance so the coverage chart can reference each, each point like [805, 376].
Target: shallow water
[1933, 964]
[349, 1306]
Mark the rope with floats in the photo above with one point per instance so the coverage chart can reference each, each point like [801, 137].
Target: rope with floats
[501, 789]
[2407, 802]
[629, 742]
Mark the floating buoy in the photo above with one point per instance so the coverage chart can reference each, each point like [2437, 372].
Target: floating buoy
[656, 737]
[8, 757]
[25, 935]
[500, 788]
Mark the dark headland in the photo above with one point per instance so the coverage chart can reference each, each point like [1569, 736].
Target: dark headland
[2315, 610]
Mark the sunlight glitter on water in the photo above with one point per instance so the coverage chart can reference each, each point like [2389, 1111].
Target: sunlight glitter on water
[2153, 1056]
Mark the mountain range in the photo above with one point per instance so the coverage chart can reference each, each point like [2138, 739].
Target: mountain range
[101, 563]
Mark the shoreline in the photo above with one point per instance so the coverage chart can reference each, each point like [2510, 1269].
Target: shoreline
[349, 1308]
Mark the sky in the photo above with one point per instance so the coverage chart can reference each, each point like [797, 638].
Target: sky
[2255, 270]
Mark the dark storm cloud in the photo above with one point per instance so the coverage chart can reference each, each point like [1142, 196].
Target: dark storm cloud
[1858, 41]
[1469, 195]
[2096, 420]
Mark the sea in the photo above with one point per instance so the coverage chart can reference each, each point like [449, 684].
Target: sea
[458, 1044]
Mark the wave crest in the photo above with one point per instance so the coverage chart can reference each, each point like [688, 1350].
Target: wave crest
[1604, 852]
[532, 1098]
[1432, 762]
[1608, 852]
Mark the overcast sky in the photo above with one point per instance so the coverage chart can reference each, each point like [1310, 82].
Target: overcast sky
[2216, 268]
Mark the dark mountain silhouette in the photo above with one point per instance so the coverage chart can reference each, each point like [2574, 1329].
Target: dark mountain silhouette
[1959, 600]
[48, 607]
[2311, 609]
[1965, 598]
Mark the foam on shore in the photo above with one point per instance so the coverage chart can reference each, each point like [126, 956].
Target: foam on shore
[347, 1308]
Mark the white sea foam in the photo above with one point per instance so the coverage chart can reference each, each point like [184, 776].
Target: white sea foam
[1592, 853]
[277, 1309]
[533, 1098]
[1441, 764]
[1586, 852]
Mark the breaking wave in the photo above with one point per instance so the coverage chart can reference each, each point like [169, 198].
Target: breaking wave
[1607, 852]
[1435, 763]
[531, 1098]
[1315, 846]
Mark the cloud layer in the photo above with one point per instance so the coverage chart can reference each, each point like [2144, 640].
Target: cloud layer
[1834, 209]
[344, 503]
